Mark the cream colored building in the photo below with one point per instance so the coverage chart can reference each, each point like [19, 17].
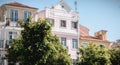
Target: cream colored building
[14, 12]
[10, 14]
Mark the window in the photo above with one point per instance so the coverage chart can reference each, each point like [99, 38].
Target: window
[63, 23]
[62, 6]
[84, 44]
[51, 21]
[12, 35]
[14, 15]
[74, 25]
[74, 43]
[26, 15]
[63, 41]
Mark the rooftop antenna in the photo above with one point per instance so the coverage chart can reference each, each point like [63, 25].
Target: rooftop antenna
[75, 3]
[61, 0]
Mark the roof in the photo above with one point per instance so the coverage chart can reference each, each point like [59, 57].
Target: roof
[82, 26]
[91, 38]
[84, 35]
[84, 31]
[19, 5]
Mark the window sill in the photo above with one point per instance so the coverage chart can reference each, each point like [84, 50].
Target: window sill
[74, 29]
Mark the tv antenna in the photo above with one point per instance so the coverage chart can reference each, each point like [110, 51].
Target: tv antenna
[75, 3]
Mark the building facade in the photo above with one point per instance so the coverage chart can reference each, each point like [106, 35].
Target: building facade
[10, 14]
[64, 20]
[99, 37]
[65, 25]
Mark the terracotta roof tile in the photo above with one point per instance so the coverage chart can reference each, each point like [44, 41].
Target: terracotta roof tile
[93, 39]
[19, 5]
[84, 30]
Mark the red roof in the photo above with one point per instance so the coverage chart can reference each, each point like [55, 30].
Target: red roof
[84, 35]
[91, 38]
[19, 5]
[84, 31]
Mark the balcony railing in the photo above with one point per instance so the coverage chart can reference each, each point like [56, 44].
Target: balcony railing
[15, 19]
[14, 22]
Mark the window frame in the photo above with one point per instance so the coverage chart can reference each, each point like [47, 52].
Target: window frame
[74, 43]
[12, 35]
[63, 23]
[74, 25]
[52, 21]
[63, 39]
[26, 15]
[14, 15]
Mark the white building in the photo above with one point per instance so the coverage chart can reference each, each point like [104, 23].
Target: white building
[65, 22]
[64, 19]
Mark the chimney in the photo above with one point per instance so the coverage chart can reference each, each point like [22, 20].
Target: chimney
[101, 34]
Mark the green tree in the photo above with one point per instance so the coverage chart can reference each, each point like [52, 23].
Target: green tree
[37, 46]
[93, 54]
[115, 55]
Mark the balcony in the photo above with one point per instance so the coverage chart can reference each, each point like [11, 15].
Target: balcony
[13, 22]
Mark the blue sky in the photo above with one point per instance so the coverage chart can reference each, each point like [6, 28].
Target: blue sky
[94, 14]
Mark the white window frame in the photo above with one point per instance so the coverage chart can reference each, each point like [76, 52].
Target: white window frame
[63, 23]
[26, 15]
[74, 43]
[12, 35]
[14, 15]
[74, 25]
[51, 21]
[64, 41]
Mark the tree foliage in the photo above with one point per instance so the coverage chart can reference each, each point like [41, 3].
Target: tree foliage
[93, 54]
[115, 56]
[37, 46]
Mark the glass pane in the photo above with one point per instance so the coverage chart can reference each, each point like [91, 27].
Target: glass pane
[74, 43]
[16, 15]
[63, 23]
[63, 41]
[74, 25]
